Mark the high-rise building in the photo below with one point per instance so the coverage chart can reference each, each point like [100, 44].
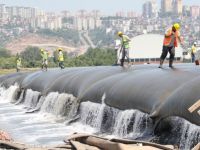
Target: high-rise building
[146, 11]
[131, 14]
[150, 9]
[96, 14]
[178, 7]
[186, 10]
[91, 23]
[120, 14]
[166, 6]
[195, 11]
[154, 6]
[66, 13]
[3, 13]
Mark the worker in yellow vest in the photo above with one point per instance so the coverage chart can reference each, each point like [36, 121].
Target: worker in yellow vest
[60, 58]
[171, 39]
[44, 55]
[18, 63]
[193, 51]
[125, 40]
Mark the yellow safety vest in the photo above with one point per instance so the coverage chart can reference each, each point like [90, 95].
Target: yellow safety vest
[125, 41]
[44, 55]
[60, 56]
[194, 49]
[19, 62]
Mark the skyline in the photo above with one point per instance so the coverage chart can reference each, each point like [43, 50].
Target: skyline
[106, 6]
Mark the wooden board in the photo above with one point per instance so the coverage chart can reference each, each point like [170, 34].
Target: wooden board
[194, 107]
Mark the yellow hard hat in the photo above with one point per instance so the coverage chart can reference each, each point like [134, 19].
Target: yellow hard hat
[120, 33]
[177, 26]
[42, 50]
[59, 49]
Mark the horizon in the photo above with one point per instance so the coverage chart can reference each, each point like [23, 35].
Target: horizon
[104, 6]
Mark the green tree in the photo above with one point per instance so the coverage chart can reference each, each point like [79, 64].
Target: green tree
[31, 56]
[4, 52]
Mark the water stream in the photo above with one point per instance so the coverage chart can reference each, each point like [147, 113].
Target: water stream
[41, 120]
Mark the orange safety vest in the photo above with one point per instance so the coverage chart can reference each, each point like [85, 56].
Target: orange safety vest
[168, 37]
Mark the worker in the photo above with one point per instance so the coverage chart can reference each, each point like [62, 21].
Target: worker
[18, 63]
[60, 58]
[124, 47]
[193, 51]
[171, 39]
[44, 55]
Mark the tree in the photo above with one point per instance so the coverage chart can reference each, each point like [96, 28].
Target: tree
[4, 52]
[31, 56]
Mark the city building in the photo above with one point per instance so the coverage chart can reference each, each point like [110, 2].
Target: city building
[120, 14]
[3, 13]
[195, 11]
[166, 6]
[186, 10]
[178, 7]
[66, 14]
[150, 9]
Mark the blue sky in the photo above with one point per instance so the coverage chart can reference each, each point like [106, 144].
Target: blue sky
[108, 6]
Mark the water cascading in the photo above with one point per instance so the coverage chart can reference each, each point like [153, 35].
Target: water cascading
[31, 99]
[57, 104]
[10, 93]
[125, 124]
[131, 124]
[190, 135]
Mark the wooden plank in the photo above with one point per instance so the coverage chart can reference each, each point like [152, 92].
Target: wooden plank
[12, 145]
[194, 107]
[80, 146]
[197, 147]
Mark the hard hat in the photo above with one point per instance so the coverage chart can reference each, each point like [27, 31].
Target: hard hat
[120, 33]
[177, 26]
[195, 43]
[42, 50]
[59, 49]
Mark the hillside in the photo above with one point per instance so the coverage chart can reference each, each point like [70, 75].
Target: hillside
[50, 43]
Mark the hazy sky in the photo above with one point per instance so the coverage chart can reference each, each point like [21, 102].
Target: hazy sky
[108, 6]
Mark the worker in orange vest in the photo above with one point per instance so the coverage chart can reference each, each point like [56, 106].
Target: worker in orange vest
[171, 39]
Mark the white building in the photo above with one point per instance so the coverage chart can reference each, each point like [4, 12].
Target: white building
[3, 13]
[91, 23]
[149, 47]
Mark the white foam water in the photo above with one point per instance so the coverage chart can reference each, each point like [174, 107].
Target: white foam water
[189, 133]
[42, 127]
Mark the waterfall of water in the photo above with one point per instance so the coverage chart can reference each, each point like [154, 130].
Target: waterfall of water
[122, 122]
[129, 123]
[190, 135]
[57, 104]
[31, 98]
[10, 93]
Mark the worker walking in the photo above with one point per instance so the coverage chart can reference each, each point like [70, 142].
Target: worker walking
[124, 48]
[18, 63]
[171, 39]
[193, 51]
[60, 58]
[44, 55]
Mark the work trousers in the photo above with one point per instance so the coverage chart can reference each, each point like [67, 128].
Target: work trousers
[125, 54]
[61, 64]
[165, 51]
[193, 57]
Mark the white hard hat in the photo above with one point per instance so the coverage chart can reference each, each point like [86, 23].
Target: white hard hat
[195, 43]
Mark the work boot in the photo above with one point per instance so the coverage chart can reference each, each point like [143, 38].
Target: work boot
[161, 63]
[170, 64]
